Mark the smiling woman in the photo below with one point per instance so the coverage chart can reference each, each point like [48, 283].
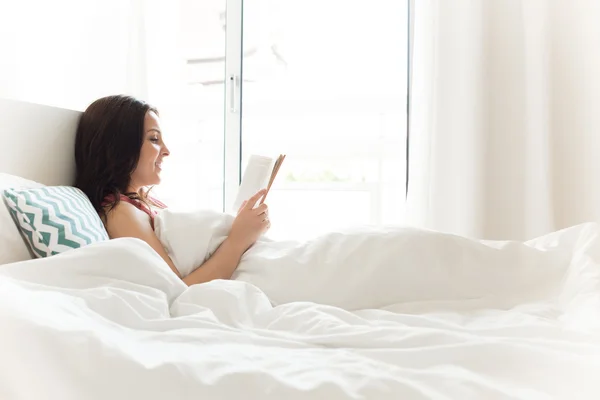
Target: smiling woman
[119, 150]
[113, 145]
[152, 153]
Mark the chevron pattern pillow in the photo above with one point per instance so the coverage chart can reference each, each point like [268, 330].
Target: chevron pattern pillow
[54, 219]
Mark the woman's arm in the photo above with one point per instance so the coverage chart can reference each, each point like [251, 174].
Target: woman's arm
[125, 220]
[249, 224]
[220, 265]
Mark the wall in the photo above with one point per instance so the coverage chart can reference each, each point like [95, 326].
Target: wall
[68, 52]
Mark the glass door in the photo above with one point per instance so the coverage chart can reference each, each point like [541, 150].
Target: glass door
[200, 109]
[324, 81]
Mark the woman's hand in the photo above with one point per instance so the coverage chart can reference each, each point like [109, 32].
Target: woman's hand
[250, 222]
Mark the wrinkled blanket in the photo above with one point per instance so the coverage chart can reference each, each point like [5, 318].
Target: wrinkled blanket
[471, 320]
[378, 267]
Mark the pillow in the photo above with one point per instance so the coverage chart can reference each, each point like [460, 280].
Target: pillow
[13, 247]
[54, 219]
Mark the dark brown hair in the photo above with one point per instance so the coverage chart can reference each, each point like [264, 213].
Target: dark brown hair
[108, 142]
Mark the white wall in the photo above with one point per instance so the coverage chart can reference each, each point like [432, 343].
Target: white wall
[68, 52]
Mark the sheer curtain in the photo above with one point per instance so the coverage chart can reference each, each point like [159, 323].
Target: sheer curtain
[505, 124]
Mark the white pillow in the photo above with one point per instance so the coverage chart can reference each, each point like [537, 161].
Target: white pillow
[13, 247]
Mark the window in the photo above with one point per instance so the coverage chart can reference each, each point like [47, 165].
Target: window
[323, 81]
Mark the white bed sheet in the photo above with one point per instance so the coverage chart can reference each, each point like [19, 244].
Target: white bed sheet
[112, 321]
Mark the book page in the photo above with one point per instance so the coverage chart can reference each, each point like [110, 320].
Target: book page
[256, 177]
[259, 174]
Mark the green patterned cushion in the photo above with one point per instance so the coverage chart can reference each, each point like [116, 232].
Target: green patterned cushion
[54, 219]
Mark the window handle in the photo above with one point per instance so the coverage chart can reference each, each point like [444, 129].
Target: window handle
[232, 84]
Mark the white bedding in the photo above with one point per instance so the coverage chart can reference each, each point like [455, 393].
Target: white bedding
[111, 320]
[377, 267]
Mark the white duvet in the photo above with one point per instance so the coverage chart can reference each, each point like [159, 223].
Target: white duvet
[450, 318]
[378, 267]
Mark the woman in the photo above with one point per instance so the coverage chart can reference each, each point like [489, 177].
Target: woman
[119, 150]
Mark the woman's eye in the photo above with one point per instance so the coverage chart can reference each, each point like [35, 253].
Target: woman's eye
[154, 140]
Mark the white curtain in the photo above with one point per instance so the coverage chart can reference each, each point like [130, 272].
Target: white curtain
[505, 116]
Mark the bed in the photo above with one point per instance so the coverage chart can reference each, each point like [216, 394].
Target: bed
[111, 320]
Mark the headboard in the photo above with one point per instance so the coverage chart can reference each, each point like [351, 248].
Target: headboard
[38, 141]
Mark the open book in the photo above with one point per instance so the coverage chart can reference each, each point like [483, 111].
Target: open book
[259, 174]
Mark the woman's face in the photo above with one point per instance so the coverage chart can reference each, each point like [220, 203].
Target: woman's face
[153, 152]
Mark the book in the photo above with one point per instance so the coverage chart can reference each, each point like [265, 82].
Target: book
[260, 173]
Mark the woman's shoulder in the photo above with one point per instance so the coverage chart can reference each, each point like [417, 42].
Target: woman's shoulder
[124, 208]
[124, 218]
[131, 204]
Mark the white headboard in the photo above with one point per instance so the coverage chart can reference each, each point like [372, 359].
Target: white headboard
[37, 142]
